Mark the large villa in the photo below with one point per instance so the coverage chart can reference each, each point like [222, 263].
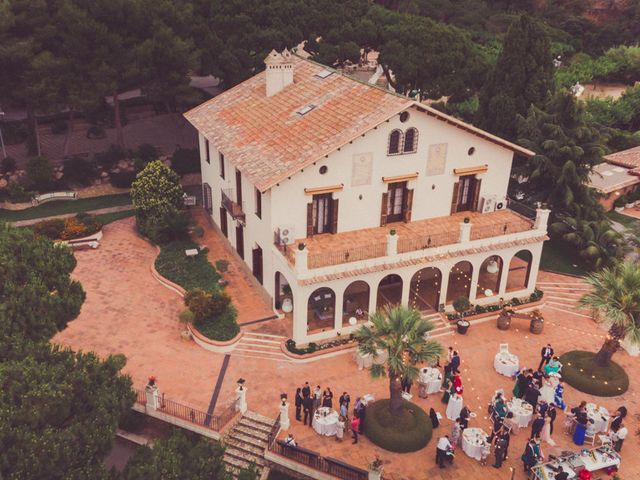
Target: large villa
[342, 197]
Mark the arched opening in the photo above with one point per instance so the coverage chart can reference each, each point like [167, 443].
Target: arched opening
[424, 293]
[389, 291]
[395, 139]
[489, 277]
[355, 306]
[410, 140]
[282, 293]
[459, 281]
[321, 310]
[519, 270]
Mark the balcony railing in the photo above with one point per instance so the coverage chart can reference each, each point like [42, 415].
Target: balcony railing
[353, 254]
[234, 208]
[413, 244]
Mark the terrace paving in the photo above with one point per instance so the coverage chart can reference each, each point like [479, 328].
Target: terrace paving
[128, 312]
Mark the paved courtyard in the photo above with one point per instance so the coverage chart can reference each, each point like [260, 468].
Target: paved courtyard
[128, 312]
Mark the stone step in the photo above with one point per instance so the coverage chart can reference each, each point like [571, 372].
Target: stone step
[259, 346]
[251, 432]
[239, 460]
[255, 424]
[246, 447]
[246, 455]
[259, 340]
[273, 353]
[256, 417]
[282, 358]
[266, 336]
[237, 436]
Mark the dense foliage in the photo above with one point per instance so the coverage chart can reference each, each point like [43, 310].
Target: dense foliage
[37, 296]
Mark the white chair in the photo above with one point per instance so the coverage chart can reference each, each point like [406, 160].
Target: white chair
[407, 396]
[504, 348]
[590, 434]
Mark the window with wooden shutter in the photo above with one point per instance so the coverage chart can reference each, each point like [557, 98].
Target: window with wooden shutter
[408, 203]
[476, 196]
[207, 155]
[395, 142]
[454, 198]
[383, 209]
[310, 219]
[334, 215]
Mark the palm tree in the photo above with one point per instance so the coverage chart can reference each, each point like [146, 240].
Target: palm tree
[400, 331]
[615, 296]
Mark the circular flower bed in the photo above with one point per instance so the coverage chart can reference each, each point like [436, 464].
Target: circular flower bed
[408, 432]
[581, 372]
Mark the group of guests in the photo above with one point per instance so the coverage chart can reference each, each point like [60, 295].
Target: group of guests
[451, 381]
[307, 402]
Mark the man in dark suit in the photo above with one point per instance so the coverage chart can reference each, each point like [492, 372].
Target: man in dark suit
[552, 414]
[307, 406]
[546, 354]
[531, 395]
[306, 390]
[529, 457]
[537, 425]
[500, 449]
[455, 363]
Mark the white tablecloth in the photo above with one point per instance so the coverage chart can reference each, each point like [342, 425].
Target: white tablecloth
[522, 411]
[454, 407]
[473, 441]
[506, 364]
[605, 459]
[600, 417]
[325, 425]
[366, 360]
[432, 378]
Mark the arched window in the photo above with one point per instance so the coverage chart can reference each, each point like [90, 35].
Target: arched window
[425, 289]
[519, 270]
[459, 284]
[321, 310]
[489, 277]
[395, 140]
[410, 140]
[356, 302]
[389, 291]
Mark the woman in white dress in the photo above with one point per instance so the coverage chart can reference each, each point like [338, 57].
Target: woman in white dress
[547, 391]
[545, 435]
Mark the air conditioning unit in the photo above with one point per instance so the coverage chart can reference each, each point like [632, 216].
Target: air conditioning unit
[489, 204]
[286, 235]
[501, 203]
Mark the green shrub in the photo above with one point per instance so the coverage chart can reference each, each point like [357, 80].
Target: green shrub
[291, 346]
[189, 273]
[186, 317]
[91, 223]
[222, 265]
[206, 304]
[186, 160]
[461, 304]
[221, 328]
[40, 172]
[581, 372]
[146, 153]
[620, 201]
[79, 171]
[133, 421]
[122, 179]
[408, 432]
[50, 228]
[8, 165]
[113, 155]
[17, 193]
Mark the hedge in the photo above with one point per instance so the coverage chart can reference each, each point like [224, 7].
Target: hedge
[580, 371]
[408, 432]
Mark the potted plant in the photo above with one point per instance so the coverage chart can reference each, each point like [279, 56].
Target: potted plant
[619, 203]
[375, 469]
[466, 220]
[222, 266]
[462, 305]
[630, 200]
[186, 318]
[287, 301]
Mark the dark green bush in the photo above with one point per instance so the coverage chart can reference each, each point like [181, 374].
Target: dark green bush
[78, 171]
[146, 153]
[408, 432]
[291, 346]
[109, 158]
[221, 328]
[40, 172]
[133, 421]
[8, 165]
[206, 304]
[461, 304]
[17, 193]
[581, 372]
[189, 273]
[50, 228]
[122, 179]
[185, 160]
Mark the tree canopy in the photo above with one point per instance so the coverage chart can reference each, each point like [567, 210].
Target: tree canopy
[37, 295]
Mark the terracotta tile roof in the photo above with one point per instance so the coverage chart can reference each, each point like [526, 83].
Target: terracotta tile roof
[626, 158]
[268, 141]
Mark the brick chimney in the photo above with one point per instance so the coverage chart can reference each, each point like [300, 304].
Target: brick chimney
[279, 71]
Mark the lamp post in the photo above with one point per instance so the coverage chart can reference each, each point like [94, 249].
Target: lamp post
[4, 150]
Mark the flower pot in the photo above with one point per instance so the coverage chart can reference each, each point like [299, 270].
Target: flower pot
[374, 474]
[630, 205]
[619, 209]
[287, 305]
[463, 326]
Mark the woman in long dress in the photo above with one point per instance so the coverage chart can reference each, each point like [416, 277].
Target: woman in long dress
[558, 397]
[456, 432]
[545, 435]
[547, 393]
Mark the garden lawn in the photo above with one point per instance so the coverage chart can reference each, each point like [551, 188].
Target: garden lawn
[188, 272]
[559, 260]
[61, 207]
[105, 218]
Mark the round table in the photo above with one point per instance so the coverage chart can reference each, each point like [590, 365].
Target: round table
[506, 364]
[365, 360]
[522, 411]
[474, 441]
[431, 378]
[454, 407]
[325, 421]
[599, 416]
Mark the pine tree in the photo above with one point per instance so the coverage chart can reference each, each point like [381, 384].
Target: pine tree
[522, 76]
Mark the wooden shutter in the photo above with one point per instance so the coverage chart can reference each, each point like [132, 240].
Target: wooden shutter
[334, 215]
[476, 196]
[408, 203]
[383, 209]
[454, 199]
[309, 219]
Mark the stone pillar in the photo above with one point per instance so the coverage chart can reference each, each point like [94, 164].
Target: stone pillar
[374, 474]
[152, 395]
[392, 244]
[241, 399]
[285, 423]
[473, 286]
[302, 257]
[542, 218]
[465, 232]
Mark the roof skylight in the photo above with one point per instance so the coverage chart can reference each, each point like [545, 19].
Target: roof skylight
[306, 109]
[324, 73]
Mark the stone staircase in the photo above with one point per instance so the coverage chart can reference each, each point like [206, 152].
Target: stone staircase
[563, 296]
[246, 442]
[261, 345]
[441, 325]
